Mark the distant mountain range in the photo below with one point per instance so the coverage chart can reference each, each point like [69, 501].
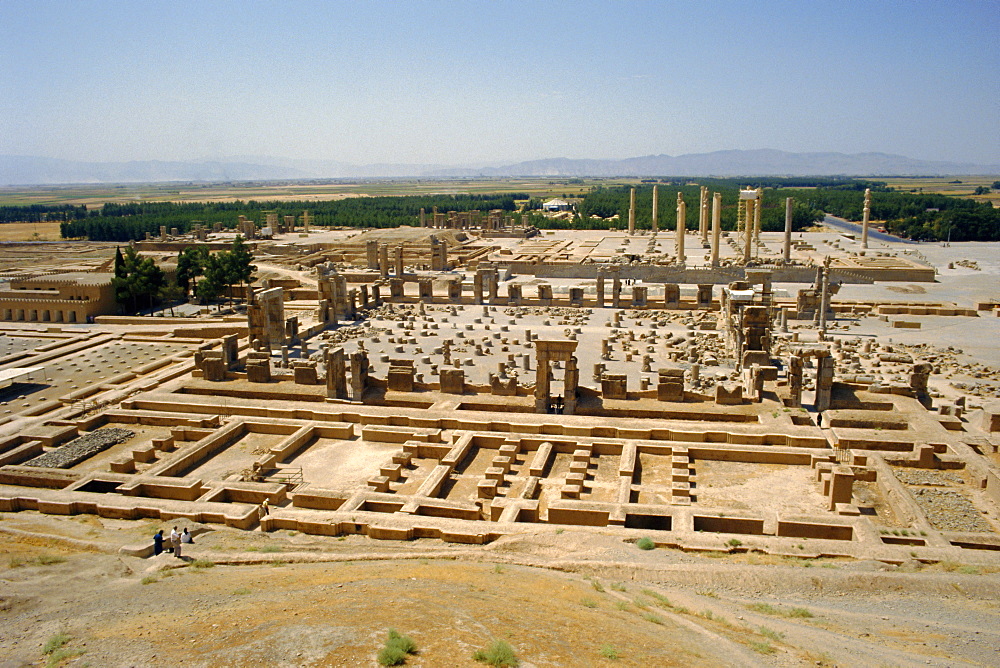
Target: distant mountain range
[27, 170]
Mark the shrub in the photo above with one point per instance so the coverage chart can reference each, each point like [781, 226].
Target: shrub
[645, 543]
[734, 542]
[764, 608]
[397, 648]
[498, 653]
[49, 559]
[618, 586]
[651, 617]
[589, 603]
[800, 612]
[597, 586]
[55, 642]
[762, 647]
[609, 652]
[202, 563]
[771, 634]
[149, 579]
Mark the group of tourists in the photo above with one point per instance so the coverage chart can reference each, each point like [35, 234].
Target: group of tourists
[175, 541]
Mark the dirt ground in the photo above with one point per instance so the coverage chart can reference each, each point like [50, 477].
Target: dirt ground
[560, 598]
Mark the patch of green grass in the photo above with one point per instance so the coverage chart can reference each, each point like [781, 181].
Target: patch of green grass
[645, 543]
[707, 614]
[622, 605]
[771, 634]
[242, 591]
[589, 603]
[618, 586]
[559, 530]
[800, 612]
[498, 653]
[55, 642]
[609, 652]
[597, 586]
[202, 564]
[150, 579]
[660, 599]
[734, 542]
[764, 608]
[272, 548]
[762, 647]
[397, 647]
[49, 559]
[497, 568]
[652, 617]
[279, 564]
[968, 570]
[61, 654]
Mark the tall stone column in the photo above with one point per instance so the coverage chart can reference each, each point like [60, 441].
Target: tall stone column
[398, 257]
[631, 213]
[864, 222]
[789, 203]
[600, 289]
[542, 383]
[748, 230]
[655, 206]
[703, 214]
[423, 217]
[383, 260]
[716, 226]
[681, 227]
[824, 297]
[756, 217]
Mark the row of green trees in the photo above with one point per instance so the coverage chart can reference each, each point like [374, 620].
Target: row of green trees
[138, 283]
[125, 222]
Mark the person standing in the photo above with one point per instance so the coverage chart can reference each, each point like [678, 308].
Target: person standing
[175, 538]
[158, 542]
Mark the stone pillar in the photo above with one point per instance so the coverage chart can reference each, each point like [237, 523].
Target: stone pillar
[639, 293]
[616, 291]
[371, 251]
[705, 295]
[681, 227]
[824, 297]
[477, 286]
[758, 205]
[455, 291]
[514, 295]
[600, 289]
[824, 381]
[716, 226]
[571, 380]
[671, 295]
[789, 204]
[631, 213]
[656, 202]
[748, 230]
[864, 221]
[359, 375]
[336, 373]
[703, 215]
[383, 260]
[398, 260]
[541, 381]
[423, 217]
[795, 381]
[305, 221]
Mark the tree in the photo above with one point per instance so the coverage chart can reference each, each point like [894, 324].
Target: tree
[171, 293]
[982, 190]
[213, 283]
[237, 263]
[996, 185]
[190, 265]
[136, 277]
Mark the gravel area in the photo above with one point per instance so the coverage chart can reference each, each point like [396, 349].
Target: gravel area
[911, 477]
[950, 511]
[81, 448]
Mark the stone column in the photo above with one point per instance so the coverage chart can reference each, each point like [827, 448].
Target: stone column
[716, 226]
[398, 258]
[789, 203]
[795, 381]
[336, 373]
[542, 383]
[371, 251]
[703, 215]
[748, 230]
[864, 222]
[616, 292]
[681, 227]
[383, 260]
[631, 213]
[423, 217]
[758, 205]
[600, 289]
[571, 379]
[824, 297]
[655, 207]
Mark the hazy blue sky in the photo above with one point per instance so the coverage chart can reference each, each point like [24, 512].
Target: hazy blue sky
[474, 82]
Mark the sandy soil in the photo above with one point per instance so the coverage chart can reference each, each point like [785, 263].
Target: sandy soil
[559, 598]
